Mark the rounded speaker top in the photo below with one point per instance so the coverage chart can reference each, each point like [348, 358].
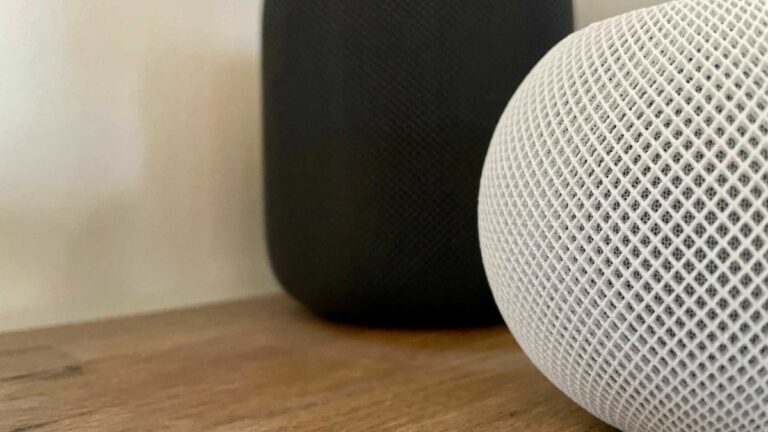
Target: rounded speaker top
[623, 211]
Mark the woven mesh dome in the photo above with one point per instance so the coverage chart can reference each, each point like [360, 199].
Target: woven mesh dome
[624, 217]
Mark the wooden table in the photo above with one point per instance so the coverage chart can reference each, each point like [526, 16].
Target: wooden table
[267, 365]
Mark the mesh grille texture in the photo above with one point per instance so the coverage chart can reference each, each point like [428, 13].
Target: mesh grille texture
[377, 117]
[623, 217]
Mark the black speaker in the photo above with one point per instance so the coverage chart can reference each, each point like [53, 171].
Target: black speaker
[377, 117]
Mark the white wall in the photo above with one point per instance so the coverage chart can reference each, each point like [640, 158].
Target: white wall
[130, 171]
[589, 11]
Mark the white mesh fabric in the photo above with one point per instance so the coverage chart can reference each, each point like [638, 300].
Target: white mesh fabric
[624, 217]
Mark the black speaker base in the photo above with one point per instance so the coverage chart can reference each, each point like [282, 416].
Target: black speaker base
[470, 316]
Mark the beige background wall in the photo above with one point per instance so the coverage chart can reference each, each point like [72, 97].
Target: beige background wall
[130, 171]
[130, 175]
[589, 11]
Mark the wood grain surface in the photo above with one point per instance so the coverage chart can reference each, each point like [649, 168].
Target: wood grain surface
[267, 365]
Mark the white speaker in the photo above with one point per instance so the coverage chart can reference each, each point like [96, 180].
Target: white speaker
[623, 217]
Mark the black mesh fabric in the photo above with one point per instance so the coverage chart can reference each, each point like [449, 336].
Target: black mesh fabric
[378, 115]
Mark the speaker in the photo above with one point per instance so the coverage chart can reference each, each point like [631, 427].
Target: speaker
[623, 217]
[377, 116]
